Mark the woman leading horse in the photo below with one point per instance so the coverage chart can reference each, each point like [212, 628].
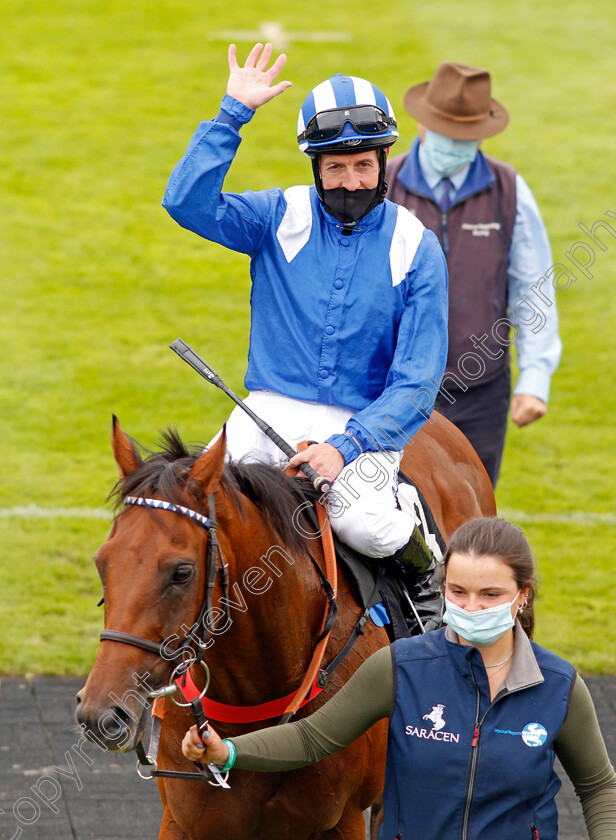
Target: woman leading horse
[162, 564]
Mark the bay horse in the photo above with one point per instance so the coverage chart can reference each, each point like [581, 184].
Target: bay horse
[153, 571]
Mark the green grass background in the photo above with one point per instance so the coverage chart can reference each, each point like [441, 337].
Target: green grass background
[99, 100]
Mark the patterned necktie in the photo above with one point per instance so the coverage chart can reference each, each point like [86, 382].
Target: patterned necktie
[445, 201]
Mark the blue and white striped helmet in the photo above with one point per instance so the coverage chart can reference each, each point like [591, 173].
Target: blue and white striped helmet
[345, 114]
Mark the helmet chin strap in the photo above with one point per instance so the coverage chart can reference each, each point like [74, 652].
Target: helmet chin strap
[381, 188]
[316, 173]
[382, 185]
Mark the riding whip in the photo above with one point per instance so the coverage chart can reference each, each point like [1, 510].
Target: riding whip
[186, 353]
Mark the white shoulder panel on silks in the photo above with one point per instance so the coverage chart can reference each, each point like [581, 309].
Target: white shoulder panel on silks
[294, 230]
[404, 244]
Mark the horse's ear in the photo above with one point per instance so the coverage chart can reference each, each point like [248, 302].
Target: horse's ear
[208, 468]
[123, 450]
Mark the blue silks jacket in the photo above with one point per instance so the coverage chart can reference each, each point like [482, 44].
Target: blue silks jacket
[355, 320]
[461, 766]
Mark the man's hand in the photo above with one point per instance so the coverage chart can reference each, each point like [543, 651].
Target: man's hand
[322, 457]
[526, 409]
[252, 83]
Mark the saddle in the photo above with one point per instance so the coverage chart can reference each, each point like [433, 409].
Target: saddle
[380, 587]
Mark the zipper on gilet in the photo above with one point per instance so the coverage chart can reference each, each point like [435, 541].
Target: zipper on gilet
[470, 785]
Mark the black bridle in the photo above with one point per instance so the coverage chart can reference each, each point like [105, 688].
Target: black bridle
[199, 634]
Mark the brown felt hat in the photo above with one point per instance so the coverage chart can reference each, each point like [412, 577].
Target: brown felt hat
[457, 102]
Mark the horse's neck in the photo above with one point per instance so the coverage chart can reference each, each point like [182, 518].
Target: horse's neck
[275, 604]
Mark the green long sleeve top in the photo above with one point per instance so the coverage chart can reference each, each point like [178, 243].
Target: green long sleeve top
[368, 696]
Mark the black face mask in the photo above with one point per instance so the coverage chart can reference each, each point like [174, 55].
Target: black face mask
[349, 206]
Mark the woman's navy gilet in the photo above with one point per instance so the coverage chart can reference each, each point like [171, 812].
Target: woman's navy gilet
[438, 785]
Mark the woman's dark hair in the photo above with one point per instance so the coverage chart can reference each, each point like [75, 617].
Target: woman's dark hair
[498, 538]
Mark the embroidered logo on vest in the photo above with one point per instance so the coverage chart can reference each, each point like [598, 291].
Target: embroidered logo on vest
[438, 723]
[481, 228]
[436, 716]
[533, 734]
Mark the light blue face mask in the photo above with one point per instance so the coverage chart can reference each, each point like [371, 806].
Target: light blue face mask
[445, 155]
[481, 627]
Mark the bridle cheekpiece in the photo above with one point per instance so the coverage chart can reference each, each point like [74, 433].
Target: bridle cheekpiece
[214, 564]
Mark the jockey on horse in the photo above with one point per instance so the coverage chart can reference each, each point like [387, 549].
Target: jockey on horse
[348, 304]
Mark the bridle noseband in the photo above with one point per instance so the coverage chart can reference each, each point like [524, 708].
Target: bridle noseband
[214, 565]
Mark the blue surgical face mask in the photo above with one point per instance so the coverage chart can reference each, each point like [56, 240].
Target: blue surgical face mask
[481, 627]
[446, 155]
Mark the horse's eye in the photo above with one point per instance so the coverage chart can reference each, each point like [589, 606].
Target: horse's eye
[182, 574]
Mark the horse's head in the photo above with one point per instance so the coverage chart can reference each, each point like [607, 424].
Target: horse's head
[194, 546]
[154, 582]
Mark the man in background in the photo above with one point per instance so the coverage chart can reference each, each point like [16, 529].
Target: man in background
[497, 249]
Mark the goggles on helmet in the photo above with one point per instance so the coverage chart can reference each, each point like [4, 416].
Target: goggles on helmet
[368, 120]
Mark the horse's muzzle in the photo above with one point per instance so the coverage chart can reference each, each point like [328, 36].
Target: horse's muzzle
[112, 727]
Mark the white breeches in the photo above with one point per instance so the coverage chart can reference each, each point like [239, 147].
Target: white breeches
[362, 504]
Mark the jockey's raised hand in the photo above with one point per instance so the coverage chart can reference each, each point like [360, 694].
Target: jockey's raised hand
[252, 84]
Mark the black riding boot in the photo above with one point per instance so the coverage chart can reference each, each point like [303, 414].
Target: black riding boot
[417, 566]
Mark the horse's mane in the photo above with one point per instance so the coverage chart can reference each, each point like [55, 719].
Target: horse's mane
[166, 471]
